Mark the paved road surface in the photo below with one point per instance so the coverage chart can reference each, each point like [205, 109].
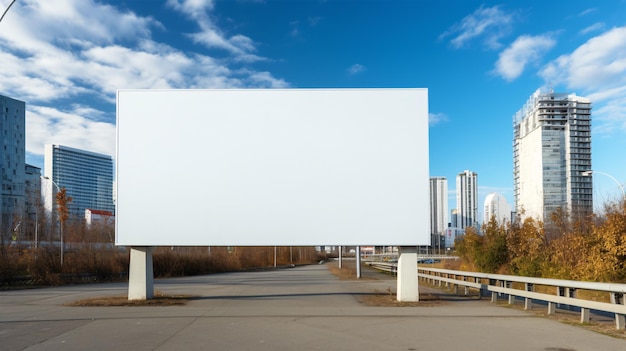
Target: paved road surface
[304, 308]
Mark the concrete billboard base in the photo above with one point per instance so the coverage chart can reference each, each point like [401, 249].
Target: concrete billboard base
[407, 286]
[140, 277]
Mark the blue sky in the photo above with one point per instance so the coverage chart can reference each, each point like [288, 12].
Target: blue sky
[480, 60]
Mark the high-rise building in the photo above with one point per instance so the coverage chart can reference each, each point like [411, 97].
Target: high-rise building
[438, 210]
[86, 176]
[438, 204]
[551, 151]
[12, 161]
[454, 218]
[496, 206]
[32, 202]
[467, 199]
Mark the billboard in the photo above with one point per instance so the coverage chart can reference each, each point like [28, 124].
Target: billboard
[272, 167]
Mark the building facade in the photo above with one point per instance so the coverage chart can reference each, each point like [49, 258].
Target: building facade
[454, 218]
[467, 199]
[438, 204]
[13, 144]
[86, 176]
[496, 206]
[438, 209]
[32, 203]
[551, 153]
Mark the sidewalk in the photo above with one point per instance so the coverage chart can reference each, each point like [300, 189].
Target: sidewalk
[304, 308]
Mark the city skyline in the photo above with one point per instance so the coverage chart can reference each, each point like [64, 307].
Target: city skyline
[480, 61]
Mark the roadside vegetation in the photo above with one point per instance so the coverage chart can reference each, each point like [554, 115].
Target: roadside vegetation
[591, 248]
[91, 256]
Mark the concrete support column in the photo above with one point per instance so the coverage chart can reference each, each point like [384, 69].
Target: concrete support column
[140, 277]
[407, 285]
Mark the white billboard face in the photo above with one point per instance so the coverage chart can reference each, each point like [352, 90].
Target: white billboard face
[272, 167]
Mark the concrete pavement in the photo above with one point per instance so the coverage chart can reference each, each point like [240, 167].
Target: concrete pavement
[303, 308]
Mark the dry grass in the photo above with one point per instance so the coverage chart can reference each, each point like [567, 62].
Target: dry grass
[602, 325]
[379, 299]
[344, 273]
[348, 271]
[159, 299]
[390, 300]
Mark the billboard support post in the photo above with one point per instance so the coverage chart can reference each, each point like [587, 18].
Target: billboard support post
[140, 277]
[407, 284]
[358, 262]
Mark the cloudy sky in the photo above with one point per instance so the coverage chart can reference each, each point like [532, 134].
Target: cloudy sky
[480, 60]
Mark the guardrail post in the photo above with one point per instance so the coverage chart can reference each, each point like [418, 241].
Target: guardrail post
[584, 315]
[620, 319]
[551, 308]
[560, 291]
[571, 292]
[494, 295]
[528, 302]
[511, 296]
[481, 291]
[584, 312]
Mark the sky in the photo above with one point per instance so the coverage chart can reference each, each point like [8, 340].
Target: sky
[479, 60]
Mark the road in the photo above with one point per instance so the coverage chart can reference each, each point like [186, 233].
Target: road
[303, 308]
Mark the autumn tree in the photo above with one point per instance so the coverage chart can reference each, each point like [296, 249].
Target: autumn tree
[527, 247]
[495, 247]
[606, 260]
[63, 210]
[469, 247]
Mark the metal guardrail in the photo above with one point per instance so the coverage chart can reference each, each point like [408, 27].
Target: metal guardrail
[498, 284]
[387, 267]
[373, 257]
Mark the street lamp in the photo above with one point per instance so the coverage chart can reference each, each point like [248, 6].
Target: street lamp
[621, 186]
[60, 224]
[7, 10]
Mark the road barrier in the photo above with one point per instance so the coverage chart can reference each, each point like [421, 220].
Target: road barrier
[565, 291]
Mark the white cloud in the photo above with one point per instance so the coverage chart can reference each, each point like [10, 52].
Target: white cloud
[314, 20]
[523, 51]
[491, 23]
[356, 68]
[600, 63]
[597, 69]
[193, 8]
[210, 35]
[587, 11]
[266, 80]
[593, 28]
[67, 58]
[436, 118]
[47, 125]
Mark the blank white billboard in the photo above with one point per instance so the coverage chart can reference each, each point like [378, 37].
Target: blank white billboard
[272, 167]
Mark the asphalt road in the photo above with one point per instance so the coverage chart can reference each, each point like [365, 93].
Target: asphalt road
[303, 308]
